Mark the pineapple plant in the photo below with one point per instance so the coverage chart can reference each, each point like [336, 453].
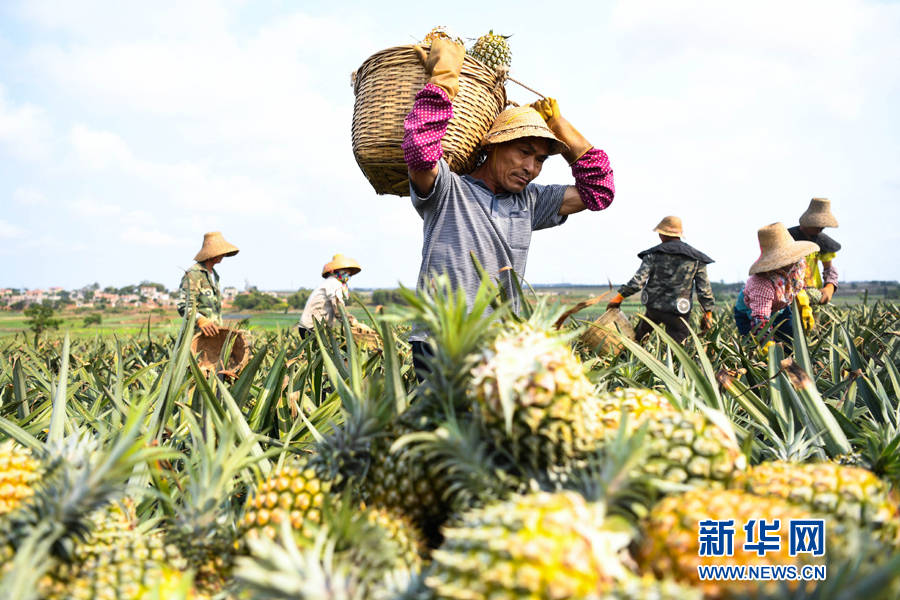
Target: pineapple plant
[19, 470]
[492, 50]
[852, 495]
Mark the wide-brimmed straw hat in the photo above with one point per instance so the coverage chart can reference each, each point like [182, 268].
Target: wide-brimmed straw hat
[778, 249]
[338, 262]
[818, 214]
[215, 245]
[521, 122]
[670, 226]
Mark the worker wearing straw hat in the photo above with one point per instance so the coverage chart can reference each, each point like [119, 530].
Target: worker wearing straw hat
[668, 275]
[199, 289]
[492, 212]
[816, 218]
[324, 303]
[776, 278]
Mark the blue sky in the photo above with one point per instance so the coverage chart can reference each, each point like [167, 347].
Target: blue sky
[127, 129]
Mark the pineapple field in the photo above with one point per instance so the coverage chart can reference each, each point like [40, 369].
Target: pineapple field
[521, 466]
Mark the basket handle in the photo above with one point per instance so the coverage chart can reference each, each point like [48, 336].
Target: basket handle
[580, 306]
[533, 91]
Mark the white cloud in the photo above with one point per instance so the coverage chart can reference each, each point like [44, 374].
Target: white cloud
[28, 196]
[8, 231]
[147, 237]
[25, 130]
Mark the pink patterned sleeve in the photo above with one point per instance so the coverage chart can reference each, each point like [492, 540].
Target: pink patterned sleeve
[594, 179]
[424, 128]
[830, 274]
[759, 295]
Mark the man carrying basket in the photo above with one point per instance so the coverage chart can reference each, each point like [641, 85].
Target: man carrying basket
[493, 211]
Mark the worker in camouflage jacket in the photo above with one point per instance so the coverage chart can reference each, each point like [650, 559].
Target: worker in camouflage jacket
[199, 287]
[669, 274]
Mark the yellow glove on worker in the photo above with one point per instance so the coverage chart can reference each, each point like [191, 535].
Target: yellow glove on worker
[443, 64]
[827, 293]
[207, 326]
[764, 349]
[806, 313]
[548, 108]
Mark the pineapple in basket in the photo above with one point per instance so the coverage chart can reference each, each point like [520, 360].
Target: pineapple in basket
[492, 50]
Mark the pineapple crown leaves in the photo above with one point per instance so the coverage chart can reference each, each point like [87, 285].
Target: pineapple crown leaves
[31, 562]
[280, 570]
[208, 479]
[456, 332]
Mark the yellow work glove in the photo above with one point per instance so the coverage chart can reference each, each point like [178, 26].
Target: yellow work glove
[548, 108]
[207, 326]
[615, 302]
[443, 64]
[827, 293]
[806, 314]
[706, 322]
[764, 349]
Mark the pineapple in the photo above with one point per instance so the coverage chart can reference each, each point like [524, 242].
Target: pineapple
[492, 50]
[852, 495]
[116, 562]
[534, 397]
[440, 32]
[682, 447]
[18, 472]
[671, 545]
[295, 494]
[403, 483]
[539, 545]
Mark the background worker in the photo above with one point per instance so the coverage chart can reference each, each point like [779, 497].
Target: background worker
[776, 278]
[669, 274]
[492, 212]
[325, 302]
[199, 288]
[822, 284]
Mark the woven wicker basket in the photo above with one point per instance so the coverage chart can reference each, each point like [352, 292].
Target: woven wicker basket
[385, 86]
[366, 337]
[601, 335]
[208, 351]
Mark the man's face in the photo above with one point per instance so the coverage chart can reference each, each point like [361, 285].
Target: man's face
[513, 165]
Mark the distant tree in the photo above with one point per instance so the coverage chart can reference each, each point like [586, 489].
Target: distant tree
[65, 297]
[256, 301]
[40, 318]
[110, 290]
[88, 295]
[128, 289]
[93, 287]
[299, 298]
[18, 305]
[385, 297]
[93, 319]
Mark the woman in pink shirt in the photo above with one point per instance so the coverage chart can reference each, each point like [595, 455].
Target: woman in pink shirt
[776, 278]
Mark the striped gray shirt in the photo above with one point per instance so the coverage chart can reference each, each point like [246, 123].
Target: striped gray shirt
[461, 215]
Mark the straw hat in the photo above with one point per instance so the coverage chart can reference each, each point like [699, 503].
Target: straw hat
[778, 249]
[521, 122]
[818, 214]
[215, 245]
[670, 226]
[339, 261]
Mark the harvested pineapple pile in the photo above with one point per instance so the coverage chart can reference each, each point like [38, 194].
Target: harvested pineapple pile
[520, 468]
